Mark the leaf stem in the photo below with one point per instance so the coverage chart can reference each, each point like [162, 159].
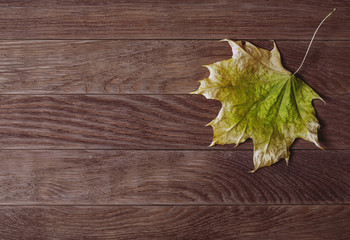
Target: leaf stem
[312, 39]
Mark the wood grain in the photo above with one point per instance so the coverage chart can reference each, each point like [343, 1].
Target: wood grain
[176, 222]
[149, 67]
[136, 122]
[172, 19]
[113, 147]
[51, 177]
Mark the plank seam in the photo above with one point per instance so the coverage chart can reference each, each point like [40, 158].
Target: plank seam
[123, 94]
[172, 39]
[158, 149]
[174, 205]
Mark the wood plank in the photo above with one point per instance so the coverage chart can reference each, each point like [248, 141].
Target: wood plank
[180, 19]
[51, 177]
[176, 222]
[149, 67]
[136, 122]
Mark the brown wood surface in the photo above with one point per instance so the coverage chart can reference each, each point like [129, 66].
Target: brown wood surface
[99, 138]
[137, 122]
[176, 222]
[52, 177]
[172, 19]
[150, 67]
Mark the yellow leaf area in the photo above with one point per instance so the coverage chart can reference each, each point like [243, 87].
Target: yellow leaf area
[260, 100]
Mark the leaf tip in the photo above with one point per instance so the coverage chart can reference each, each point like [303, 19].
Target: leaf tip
[253, 171]
[318, 144]
[212, 143]
[287, 160]
[274, 43]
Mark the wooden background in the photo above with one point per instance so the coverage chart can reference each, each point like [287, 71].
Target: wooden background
[100, 139]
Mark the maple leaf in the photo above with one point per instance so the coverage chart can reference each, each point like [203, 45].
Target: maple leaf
[260, 100]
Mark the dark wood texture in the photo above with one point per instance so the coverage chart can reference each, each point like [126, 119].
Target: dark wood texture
[150, 67]
[172, 19]
[99, 138]
[176, 222]
[52, 177]
[136, 122]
